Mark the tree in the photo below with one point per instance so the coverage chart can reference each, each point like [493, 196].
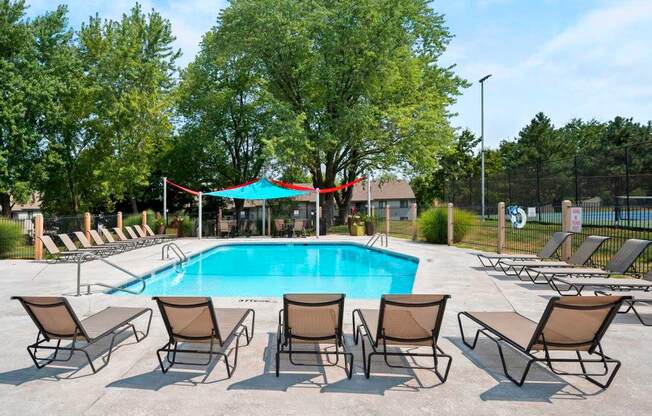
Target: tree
[130, 64]
[26, 94]
[361, 77]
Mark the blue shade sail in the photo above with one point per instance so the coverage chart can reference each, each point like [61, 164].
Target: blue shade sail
[262, 189]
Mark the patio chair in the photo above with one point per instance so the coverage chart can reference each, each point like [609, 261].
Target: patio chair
[151, 233]
[581, 257]
[409, 321]
[141, 233]
[312, 320]
[57, 254]
[570, 324]
[279, 228]
[109, 237]
[639, 289]
[70, 246]
[134, 236]
[547, 252]
[250, 229]
[105, 249]
[194, 320]
[299, 228]
[619, 264]
[225, 228]
[57, 321]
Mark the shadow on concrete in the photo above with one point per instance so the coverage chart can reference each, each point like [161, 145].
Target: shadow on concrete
[332, 378]
[541, 385]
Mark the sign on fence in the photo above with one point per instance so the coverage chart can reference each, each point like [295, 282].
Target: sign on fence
[531, 212]
[576, 219]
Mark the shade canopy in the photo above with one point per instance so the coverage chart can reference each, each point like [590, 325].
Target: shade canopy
[260, 189]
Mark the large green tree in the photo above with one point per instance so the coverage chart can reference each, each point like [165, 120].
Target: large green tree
[361, 77]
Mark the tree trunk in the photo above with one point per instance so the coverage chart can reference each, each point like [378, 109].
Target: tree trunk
[134, 205]
[344, 204]
[5, 201]
[239, 205]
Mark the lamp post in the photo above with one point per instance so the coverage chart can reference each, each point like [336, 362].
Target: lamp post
[482, 80]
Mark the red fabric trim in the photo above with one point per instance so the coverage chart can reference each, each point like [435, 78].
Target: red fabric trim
[321, 191]
[241, 185]
[190, 191]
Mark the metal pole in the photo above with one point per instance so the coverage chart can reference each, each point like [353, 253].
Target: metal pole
[263, 224]
[165, 200]
[201, 217]
[369, 195]
[629, 212]
[482, 80]
[317, 213]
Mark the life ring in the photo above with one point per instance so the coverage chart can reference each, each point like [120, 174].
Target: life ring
[517, 216]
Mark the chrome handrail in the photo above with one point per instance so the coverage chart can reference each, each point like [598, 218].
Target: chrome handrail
[378, 236]
[93, 256]
[165, 252]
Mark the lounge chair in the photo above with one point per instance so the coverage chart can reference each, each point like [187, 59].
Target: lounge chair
[568, 324]
[279, 228]
[581, 257]
[57, 321]
[57, 254]
[109, 237]
[138, 242]
[99, 241]
[151, 233]
[312, 319]
[141, 233]
[299, 228]
[547, 252]
[194, 320]
[225, 228]
[620, 263]
[108, 250]
[134, 236]
[639, 289]
[70, 246]
[409, 321]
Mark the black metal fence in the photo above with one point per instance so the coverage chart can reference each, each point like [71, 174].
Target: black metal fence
[16, 238]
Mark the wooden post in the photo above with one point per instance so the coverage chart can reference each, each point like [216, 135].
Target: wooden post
[413, 212]
[500, 242]
[218, 222]
[451, 229]
[118, 222]
[386, 218]
[567, 247]
[87, 225]
[38, 233]
[143, 218]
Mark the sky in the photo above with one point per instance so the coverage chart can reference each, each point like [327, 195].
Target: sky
[568, 58]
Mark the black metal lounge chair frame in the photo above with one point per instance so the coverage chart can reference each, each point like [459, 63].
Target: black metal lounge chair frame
[594, 349]
[43, 338]
[284, 339]
[498, 266]
[437, 352]
[171, 348]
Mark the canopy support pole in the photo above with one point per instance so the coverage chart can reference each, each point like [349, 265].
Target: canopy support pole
[165, 201]
[201, 217]
[317, 213]
[263, 223]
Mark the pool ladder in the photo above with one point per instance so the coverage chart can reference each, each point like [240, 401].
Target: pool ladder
[165, 252]
[378, 236]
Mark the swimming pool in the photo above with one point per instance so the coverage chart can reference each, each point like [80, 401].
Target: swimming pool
[265, 270]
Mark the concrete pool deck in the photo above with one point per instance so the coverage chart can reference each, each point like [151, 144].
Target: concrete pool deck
[133, 384]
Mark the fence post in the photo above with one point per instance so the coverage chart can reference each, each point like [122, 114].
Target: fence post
[566, 248]
[386, 218]
[143, 218]
[218, 223]
[87, 225]
[501, 228]
[413, 212]
[118, 221]
[38, 233]
[450, 228]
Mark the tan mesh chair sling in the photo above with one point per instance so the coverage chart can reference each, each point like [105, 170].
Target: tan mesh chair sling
[312, 319]
[299, 228]
[140, 231]
[409, 321]
[547, 252]
[581, 257]
[139, 242]
[151, 233]
[134, 236]
[70, 246]
[57, 321]
[568, 324]
[279, 228]
[99, 241]
[104, 249]
[58, 255]
[194, 320]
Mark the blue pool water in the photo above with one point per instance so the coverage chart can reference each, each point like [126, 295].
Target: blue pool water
[261, 270]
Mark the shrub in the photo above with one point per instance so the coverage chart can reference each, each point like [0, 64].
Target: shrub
[135, 219]
[11, 235]
[434, 225]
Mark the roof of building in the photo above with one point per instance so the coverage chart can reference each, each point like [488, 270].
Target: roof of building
[33, 204]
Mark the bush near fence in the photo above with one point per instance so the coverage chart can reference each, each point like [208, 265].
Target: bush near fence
[16, 239]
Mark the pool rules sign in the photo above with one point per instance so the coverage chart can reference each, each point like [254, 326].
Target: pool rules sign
[576, 220]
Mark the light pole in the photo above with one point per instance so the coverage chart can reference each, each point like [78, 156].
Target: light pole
[482, 80]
